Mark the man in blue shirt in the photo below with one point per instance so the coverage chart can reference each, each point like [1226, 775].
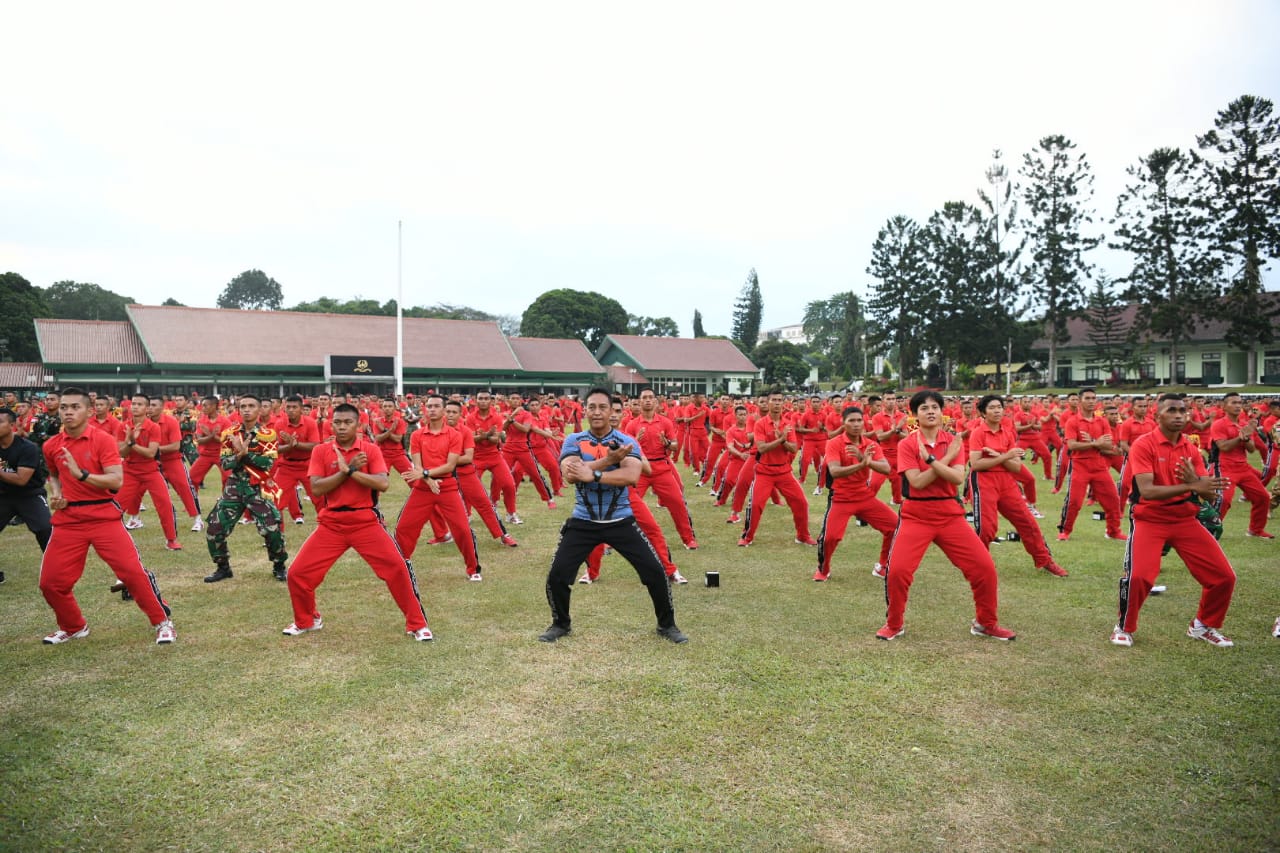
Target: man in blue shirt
[601, 463]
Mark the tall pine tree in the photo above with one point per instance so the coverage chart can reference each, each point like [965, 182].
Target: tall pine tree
[962, 293]
[1057, 193]
[1241, 157]
[747, 312]
[1174, 275]
[698, 331]
[1108, 332]
[900, 298]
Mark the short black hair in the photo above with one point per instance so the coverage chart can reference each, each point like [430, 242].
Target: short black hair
[919, 398]
[6, 412]
[598, 390]
[987, 400]
[347, 407]
[848, 410]
[294, 398]
[254, 397]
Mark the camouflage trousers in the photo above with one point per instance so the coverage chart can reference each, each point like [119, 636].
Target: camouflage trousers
[236, 499]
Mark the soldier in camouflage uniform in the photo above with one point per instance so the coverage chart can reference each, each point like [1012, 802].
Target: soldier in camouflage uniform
[186, 416]
[248, 452]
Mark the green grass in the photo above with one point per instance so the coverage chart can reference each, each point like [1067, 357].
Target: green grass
[782, 725]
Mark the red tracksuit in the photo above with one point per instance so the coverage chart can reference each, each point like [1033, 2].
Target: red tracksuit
[995, 493]
[473, 494]
[208, 453]
[850, 497]
[433, 450]
[90, 518]
[1234, 465]
[773, 471]
[488, 457]
[142, 474]
[172, 466]
[348, 518]
[1155, 524]
[663, 476]
[1088, 467]
[291, 467]
[935, 514]
[887, 421]
[517, 453]
[649, 526]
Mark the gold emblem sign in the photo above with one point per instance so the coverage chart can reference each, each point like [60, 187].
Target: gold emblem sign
[362, 365]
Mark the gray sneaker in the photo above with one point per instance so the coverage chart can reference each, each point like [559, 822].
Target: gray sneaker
[673, 634]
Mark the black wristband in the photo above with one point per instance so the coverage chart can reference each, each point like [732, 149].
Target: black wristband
[84, 475]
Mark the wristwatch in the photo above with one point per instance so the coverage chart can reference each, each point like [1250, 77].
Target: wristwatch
[597, 474]
[930, 459]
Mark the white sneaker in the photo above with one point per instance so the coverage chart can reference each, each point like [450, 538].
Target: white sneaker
[1275, 631]
[246, 521]
[1158, 589]
[293, 630]
[133, 523]
[299, 520]
[1035, 513]
[475, 577]
[512, 518]
[197, 525]
[422, 635]
[817, 490]
[142, 507]
[61, 636]
[678, 578]
[586, 578]
[1209, 635]
[879, 571]
[1121, 637]
[165, 633]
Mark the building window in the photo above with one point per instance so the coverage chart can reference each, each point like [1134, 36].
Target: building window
[1211, 366]
[1091, 374]
[1147, 368]
[1271, 363]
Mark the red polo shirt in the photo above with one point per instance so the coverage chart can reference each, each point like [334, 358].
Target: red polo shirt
[1155, 455]
[840, 451]
[94, 451]
[349, 494]
[434, 448]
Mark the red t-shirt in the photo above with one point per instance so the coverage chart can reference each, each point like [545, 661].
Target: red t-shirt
[170, 432]
[393, 446]
[211, 426]
[433, 449]
[148, 433]
[1001, 440]
[349, 494]
[307, 431]
[779, 457]
[1133, 429]
[840, 451]
[1081, 428]
[95, 452]
[1156, 455]
[910, 458]
[1224, 430]
[518, 439]
[655, 431]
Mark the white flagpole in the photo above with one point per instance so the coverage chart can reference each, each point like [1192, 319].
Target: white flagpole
[399, 308]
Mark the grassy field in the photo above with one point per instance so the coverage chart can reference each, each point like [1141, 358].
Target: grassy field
[782, 725]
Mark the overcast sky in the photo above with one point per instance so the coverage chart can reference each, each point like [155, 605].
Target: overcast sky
[653, 152]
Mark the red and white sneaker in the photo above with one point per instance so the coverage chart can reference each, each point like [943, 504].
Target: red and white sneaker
[61, 636]
[887, 633]
[1209, 635]
[440, 540]
[995, 632]
[1035, 513]
[821, 576]
[691, 545]
[807, 540]
[1261, 534]
[422, 635]
[1119, 537]
[173, 545]
[1121, 637]
[733, 518]
[551, 504]
[676, 577]
[744, 542]
[165, 634]
[879, 571]
[508, 541]
[1275, 630]
[1054, 569]
[292, 630]
[1063, 537]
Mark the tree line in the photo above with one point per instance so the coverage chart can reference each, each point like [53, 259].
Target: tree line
[1200, 226]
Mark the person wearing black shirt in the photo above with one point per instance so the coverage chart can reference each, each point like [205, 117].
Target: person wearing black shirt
[22, 476]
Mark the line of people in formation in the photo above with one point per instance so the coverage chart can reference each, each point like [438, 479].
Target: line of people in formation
[954, 467]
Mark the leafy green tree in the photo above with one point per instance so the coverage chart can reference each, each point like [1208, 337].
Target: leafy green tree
[23, 303]
[1058, 190]
[1174, 279]
[564, 313]
[782, 362]
[1241, 157]
[836, 329]
[1108, 332]
[960, 265]
[73, 300]
[252, 290]
[900, 300]
[747, 313]
[173, 303]
[654, 327]
[698, 331]
[1000, 212]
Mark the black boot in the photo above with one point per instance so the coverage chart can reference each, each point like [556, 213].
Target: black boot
[221, 573]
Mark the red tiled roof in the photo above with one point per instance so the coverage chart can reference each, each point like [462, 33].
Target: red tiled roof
[21, 374]
[690, 354]
[178, 335]
[89, 342]
[554, 355]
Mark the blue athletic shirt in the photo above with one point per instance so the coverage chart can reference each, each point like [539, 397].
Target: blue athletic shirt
[596, 501]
